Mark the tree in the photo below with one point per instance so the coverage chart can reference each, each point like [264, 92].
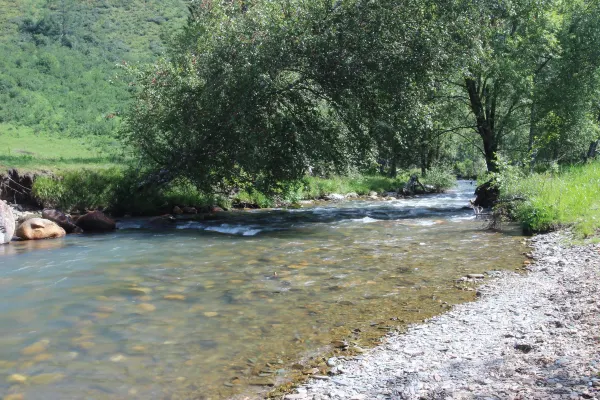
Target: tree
[262, 92]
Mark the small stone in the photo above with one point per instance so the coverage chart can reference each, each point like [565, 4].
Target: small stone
[15, 396]
[211, 314]
[525, 348]
[16, 378]
[333, 361]
[321, 377]
[42, 357]
[413, 352]
[311, 371]
[146, 307]
[46, 379]
[178, 297]
[118, 358]
[476, 276]
[297, 396]
[37, 347]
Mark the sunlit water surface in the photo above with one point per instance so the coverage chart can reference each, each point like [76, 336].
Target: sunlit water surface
[217, 309]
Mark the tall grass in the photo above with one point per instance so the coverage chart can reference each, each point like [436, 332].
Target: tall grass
[567, 197]
[119, 191]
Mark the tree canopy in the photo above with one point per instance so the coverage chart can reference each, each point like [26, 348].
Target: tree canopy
[264, 91]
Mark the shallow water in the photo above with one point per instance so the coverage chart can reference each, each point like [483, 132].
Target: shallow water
[214, 309]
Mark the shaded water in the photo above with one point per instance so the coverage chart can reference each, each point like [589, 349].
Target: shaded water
[211, 309]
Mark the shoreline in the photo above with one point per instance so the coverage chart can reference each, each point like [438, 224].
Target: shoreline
[532, 336]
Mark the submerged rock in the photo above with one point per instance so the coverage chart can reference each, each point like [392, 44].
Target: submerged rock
[39, 228]
[96, 221]
[487, 194]
[7, 223]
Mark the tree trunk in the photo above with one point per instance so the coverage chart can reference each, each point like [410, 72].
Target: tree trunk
[483, 105]
[532, 123]
[591, 154]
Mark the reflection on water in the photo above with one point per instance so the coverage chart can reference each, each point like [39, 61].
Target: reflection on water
[211, 309]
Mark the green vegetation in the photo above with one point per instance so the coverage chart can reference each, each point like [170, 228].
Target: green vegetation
[560, 197]
[122, 191]
[118, 190]
[58, 70]
[260, 92]
[250, 97]
[23, 149]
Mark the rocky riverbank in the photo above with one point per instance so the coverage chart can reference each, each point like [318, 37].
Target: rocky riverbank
[531, 336]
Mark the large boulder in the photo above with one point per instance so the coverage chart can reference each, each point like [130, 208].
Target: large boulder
[62, 220]
[487, 194]
[96, 221]
[7, 223]
[39, 228]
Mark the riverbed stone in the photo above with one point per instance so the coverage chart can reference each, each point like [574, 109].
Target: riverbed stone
[39, 228]
[17, 378]
[62, 220]
[35, 348]
[7, 223]
[96, 221]
[14, 396]
[504, 345]
[46, 379]
[177, 297]
[146, 307]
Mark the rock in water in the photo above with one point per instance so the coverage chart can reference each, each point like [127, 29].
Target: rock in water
[39, 228]
[334, 197]
[487, 194]
[7, 223]
[62, 220]
[96, 221]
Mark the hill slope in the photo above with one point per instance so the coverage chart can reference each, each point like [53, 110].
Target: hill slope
[58, 70]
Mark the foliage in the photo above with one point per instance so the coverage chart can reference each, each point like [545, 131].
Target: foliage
[58, 65]
[566, 198]
[119, 191]
[22, 148]
[440, 177]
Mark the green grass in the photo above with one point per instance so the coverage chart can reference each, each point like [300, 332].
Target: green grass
[315, 188]
[119, 191]
[25, 150]
[553, 200]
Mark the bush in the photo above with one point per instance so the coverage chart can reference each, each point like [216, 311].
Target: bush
[119, 191]
[441, 178]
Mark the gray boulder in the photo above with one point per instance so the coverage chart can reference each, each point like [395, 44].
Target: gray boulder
[7, 223]
[334, 197]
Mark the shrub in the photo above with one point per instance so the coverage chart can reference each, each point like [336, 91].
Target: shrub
[441, 178]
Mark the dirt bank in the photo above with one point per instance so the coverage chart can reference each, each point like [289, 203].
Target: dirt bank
[534, 336]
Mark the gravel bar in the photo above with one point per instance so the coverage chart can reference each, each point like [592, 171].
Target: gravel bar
[533, 336]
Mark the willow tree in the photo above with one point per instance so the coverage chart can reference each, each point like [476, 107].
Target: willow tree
[259, 91]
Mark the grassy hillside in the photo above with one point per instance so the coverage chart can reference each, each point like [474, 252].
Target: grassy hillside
[59, 78]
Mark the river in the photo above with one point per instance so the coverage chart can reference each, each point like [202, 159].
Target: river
[217, 309]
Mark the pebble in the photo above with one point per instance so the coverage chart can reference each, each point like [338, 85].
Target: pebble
[146, 307]
[46, 379]
[16, 378]
[211, 314]
[506, 344]
[37, 347]
[14, 396]
[118, 358]
[178, 297]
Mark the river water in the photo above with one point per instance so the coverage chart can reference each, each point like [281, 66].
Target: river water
[222, 308]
